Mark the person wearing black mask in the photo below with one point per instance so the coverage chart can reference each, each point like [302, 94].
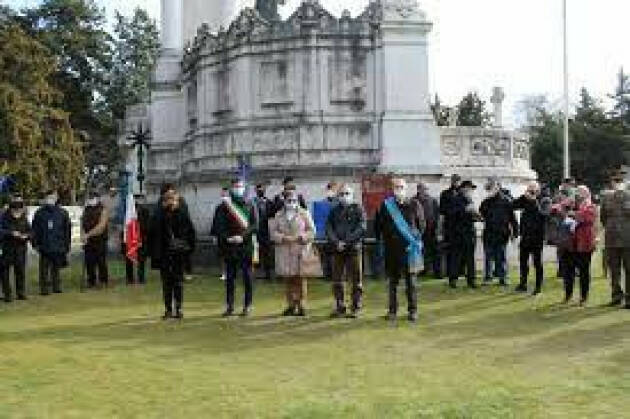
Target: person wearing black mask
[94, 228]
[52, 232]
[236, 222]
[15, 232]
[172, 237]
[264, 206]
[448, 198]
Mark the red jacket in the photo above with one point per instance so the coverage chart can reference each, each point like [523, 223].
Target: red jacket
[585, 234]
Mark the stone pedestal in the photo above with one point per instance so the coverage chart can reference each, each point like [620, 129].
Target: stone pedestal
[410, 138]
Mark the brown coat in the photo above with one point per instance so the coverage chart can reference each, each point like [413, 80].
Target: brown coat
[289, 254]
[615, 216]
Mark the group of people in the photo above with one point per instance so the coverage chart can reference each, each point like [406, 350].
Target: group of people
[417, 231]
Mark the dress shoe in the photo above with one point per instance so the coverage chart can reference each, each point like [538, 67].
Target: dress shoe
[167, 315]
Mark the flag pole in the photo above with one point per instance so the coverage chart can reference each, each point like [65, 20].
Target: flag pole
[567, 161]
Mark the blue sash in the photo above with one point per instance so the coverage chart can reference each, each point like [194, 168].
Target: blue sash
[414, 244]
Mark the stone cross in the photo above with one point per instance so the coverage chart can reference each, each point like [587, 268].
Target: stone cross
[497, 100]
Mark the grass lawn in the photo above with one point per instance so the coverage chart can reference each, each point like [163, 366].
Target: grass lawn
[474, 354]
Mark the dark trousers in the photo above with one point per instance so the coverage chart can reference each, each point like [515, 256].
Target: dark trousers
[618, 258]
[461, 254]
[172, 274]
[96, 265]
[232, 265]
[130, 267]
[18, 262]
[411, 284]
[326, 256]
[580, 263]
[48, 273]
[188, 266]
[432, 256]
[535, 252]
[267, 259]
[347, 268]
[495, 261]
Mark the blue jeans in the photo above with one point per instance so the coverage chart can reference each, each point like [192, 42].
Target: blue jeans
[495, 254]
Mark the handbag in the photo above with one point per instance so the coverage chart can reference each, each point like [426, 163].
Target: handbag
[310, 262]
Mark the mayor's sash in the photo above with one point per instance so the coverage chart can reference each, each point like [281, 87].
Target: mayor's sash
[238, 214]
[414, 244]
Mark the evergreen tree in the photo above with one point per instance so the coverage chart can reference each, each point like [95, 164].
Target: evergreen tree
[37, 144]
[136, 48]
[471, 112]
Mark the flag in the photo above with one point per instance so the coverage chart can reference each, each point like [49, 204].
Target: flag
[132, 237]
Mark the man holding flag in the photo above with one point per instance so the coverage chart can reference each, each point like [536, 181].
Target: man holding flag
[236, 223]
[399, 224]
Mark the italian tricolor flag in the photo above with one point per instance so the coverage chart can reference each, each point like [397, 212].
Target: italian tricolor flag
[131, 236]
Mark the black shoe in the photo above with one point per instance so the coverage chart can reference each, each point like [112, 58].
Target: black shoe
[472, 286]
[502, 283]
[246, 311]
[627, 306]
[290, 311]
[167, 315]
[8, 300]
[413, 317]
[301, 312]
[521, 288]
[354, 314]
[178, 315]
[228, 312]
[22, 297]
[58, 292]
[536, 292]
[452, 284]
[615, 303]
[391, 316]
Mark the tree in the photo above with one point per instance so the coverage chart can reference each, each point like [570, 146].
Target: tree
[471, 111]
[136, 48]
[596, 144]
[74, 32]
[621, 97]
[441, 113]
[38, 146]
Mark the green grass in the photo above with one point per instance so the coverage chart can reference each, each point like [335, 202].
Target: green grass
[483, 354]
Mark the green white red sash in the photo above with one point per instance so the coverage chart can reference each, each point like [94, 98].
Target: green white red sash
[238, 213]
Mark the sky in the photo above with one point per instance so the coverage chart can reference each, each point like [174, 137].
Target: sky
[516, 44]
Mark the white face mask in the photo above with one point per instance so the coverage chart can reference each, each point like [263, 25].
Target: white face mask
[92, 202]
[400, 194]
[239, 191]
[620, 186]
[51, 200]
[292, 206]
[468, 193]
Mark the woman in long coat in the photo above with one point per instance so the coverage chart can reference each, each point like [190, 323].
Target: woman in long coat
[293, 231]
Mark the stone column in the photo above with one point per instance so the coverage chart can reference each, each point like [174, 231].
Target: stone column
[172, 36]
[497, 101]
[410, 140]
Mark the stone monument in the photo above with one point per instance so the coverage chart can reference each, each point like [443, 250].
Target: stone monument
[313, 96]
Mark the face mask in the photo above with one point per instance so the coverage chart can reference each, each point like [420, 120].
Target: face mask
[330, 194]
[51, 200]
[261, 194]
[92, 202]
[468, 193]
[620, 186]
[400, 194]
[238, 192]
[291, 206]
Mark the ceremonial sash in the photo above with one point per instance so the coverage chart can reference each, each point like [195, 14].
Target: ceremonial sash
[414, 244]
[238, 213]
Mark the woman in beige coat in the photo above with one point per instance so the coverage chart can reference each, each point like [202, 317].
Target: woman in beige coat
[293, 232]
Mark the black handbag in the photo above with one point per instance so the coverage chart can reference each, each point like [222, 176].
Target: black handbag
[178, 246]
